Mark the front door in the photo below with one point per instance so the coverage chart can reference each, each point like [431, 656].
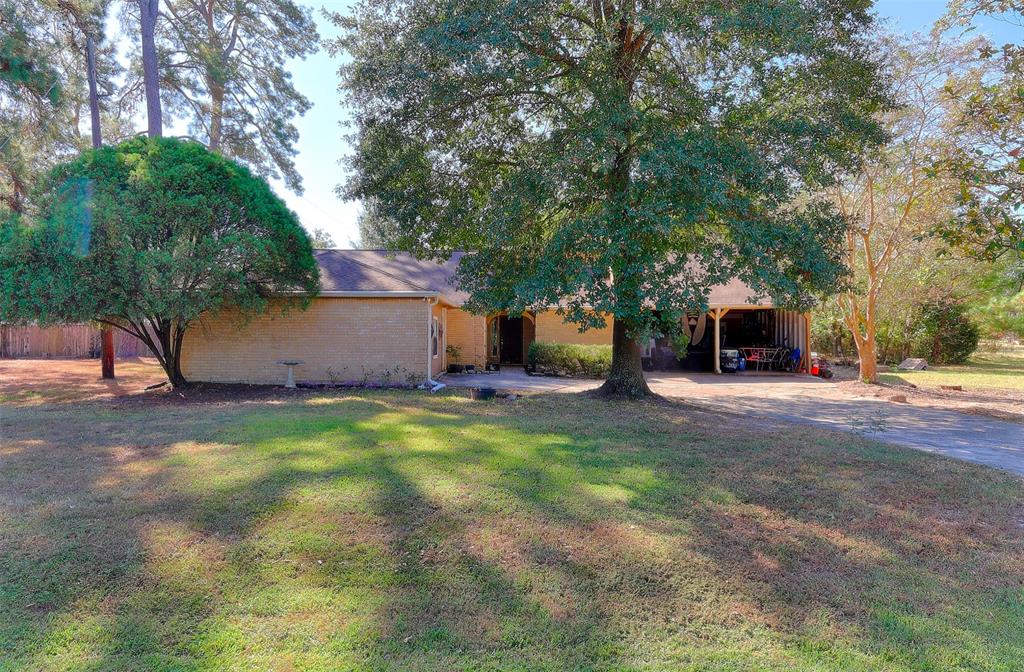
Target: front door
[510, 330]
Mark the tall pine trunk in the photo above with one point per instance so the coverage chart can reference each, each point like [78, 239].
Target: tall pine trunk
[106, 331]
[149, 10]
[215, 80]
[216, 114]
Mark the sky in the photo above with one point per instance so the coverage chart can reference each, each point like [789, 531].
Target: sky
[322, 142]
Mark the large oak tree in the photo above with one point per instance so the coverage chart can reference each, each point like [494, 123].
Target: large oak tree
[614, 159]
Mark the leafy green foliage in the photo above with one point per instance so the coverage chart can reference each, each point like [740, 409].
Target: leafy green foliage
[24, 67]
[945, 334]
[375, 231]
[148, 236]
[612, 158]
[680, 342]
[1003, 314]
[987, 117]
[321, 239]
[43, 90]
[567, 359]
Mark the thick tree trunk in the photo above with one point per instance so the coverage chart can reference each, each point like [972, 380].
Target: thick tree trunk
[163, 340]
[149, 10]
[107, 352]
[626, 378]
[94, 96]
[167, 351]
[868, 351]
[174, 374]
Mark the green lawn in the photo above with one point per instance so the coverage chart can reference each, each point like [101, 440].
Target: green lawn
[402, 531]
[985, 371]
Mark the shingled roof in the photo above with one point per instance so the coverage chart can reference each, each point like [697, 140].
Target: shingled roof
[381, 271]
[344, 271]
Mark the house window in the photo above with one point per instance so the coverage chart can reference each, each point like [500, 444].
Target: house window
[435, 332]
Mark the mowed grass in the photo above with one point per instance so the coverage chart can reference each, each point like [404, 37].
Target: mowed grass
[402, 531]
[985, 371]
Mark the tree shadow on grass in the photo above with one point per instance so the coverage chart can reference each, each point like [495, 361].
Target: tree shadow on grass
[398, 531]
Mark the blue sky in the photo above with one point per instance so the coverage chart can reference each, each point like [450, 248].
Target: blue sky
[322, 144]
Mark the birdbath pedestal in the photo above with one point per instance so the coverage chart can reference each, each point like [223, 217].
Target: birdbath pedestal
[291, 364]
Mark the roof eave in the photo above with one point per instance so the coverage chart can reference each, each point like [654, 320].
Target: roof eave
[379, 294]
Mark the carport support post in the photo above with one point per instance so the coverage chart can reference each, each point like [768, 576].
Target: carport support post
[807, 343]
[715, 315]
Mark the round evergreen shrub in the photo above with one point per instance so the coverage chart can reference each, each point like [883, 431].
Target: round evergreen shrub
[944, 334]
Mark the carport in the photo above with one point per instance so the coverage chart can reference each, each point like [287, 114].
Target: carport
[733, 322]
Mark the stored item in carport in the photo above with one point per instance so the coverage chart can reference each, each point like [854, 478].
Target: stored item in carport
[729, 361]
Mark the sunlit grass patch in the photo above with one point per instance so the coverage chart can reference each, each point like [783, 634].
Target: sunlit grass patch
[985, 371]
[397, 530]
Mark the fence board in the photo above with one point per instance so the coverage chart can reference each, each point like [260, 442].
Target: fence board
[70, 341]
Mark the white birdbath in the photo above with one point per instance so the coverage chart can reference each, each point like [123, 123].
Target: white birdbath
[291, 364]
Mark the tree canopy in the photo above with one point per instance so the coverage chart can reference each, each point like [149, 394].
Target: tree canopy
[223, 68]
[43, 92]
[612, 158]
[147, 236]
[321, 239]
[987, 117]
[375, 232]
[896, 198]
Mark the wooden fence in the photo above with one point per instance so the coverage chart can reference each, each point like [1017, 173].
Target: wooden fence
[72, 341]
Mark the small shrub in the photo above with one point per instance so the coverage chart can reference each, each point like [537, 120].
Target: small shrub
[944, 334]
[564, 359]
[680, 342]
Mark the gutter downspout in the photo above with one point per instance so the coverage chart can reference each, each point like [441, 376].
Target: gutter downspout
[431, 383]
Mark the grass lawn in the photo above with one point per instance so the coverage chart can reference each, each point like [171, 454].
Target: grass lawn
[986, 371]
[402, 531]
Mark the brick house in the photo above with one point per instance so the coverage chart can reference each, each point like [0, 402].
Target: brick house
[387, 318]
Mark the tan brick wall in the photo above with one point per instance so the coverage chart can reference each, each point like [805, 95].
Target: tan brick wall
[339, 339]
[469, 333]
[551, 328]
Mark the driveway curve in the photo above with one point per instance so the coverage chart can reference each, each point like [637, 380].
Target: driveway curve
[806, 400]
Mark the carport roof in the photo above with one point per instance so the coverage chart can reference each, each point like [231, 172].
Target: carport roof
[398, 273]
[735, 294]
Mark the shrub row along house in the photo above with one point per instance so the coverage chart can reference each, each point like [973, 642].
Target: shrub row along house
[388, 318]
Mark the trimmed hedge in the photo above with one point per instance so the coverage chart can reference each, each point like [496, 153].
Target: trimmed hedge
[565, 359]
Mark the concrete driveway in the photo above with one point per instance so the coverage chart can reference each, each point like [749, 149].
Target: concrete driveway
[807, 400]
